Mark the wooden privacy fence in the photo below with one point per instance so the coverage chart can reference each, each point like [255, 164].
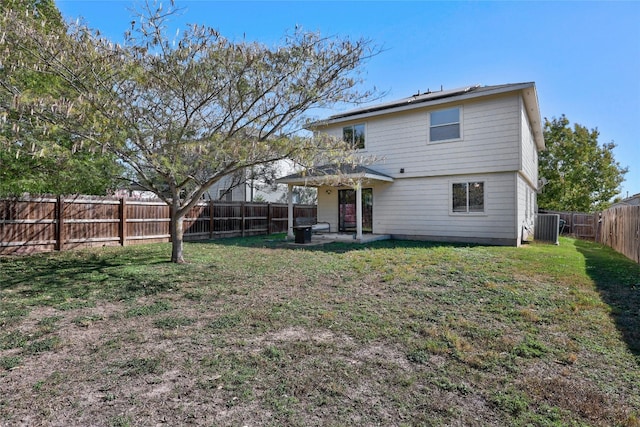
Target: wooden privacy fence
[620, 230]
[46, 224]
[578, 224]
[617, 227]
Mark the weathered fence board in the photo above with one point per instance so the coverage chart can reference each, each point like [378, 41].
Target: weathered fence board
[584, 226]
[578, 224]
[620, 230]
[28, 222]
[46, 224]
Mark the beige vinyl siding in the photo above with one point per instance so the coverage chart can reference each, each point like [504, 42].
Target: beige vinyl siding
[490, 129]
[496, 147]
[421, 208]
[529, 150]
[527, 208]
[527, 178]
[337, 132]
[328, 206]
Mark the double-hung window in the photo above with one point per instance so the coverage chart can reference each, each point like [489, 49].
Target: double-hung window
[444, 125]
[467, 197]
[354, 135]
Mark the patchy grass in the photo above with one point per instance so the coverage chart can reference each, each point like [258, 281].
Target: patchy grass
[252, 332]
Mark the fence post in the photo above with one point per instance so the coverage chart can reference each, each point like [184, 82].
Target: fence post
[242, 209]
[268, 219]
[123, 222]
[60, 229]
[211, 219]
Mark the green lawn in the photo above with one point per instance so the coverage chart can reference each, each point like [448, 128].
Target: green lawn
[253, 332]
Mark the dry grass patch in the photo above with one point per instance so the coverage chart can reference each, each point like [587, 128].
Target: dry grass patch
[251, 332]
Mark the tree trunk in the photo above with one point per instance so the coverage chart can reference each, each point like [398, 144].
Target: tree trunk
[177, 234]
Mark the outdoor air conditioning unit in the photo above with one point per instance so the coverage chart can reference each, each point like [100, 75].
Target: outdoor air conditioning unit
[547, 228]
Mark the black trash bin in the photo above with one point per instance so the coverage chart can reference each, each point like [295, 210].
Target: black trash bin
[302, 234]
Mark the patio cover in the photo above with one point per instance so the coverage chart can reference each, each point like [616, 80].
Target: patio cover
[334, 175]
[343, 175]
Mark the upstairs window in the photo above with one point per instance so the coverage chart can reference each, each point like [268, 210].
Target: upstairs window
[354, 135]
[444, 125]
[468, 197]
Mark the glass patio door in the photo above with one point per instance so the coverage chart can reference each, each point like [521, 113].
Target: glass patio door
[347, 211]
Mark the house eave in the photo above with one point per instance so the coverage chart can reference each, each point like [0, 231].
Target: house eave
[533, 111]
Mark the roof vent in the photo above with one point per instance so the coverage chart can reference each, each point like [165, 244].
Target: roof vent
[415, 95]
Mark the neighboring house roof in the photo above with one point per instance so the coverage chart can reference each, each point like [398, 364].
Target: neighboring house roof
[331, 173]
[629, 201]
[528, 90]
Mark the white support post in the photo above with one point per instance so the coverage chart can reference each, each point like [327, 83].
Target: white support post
[290, 211]
[359, 211]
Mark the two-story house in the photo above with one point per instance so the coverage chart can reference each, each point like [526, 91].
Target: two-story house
[458, 165]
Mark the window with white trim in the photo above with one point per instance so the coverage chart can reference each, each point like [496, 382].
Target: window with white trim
[467, 197]
[354, 135]
[444, 125]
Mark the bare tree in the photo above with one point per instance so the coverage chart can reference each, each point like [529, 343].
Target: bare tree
[185, 111]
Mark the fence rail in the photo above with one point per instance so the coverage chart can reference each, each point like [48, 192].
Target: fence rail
[47, 224]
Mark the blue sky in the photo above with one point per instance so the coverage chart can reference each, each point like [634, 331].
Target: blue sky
[583, 56]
